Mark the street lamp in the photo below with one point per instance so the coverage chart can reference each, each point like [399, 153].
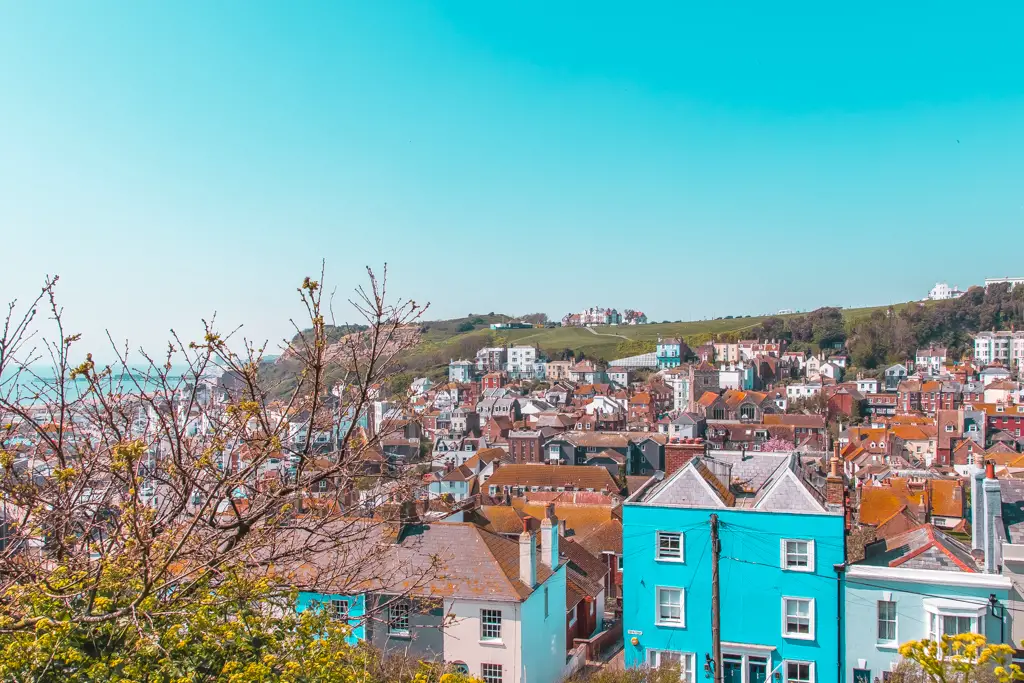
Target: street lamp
[998, 611]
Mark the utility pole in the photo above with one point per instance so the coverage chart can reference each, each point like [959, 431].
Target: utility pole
[716, 608]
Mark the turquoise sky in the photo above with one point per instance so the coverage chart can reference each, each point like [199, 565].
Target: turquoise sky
[171, 159]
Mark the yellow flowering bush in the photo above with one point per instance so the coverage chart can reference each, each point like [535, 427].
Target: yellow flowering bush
[963, 658]
[240, 630]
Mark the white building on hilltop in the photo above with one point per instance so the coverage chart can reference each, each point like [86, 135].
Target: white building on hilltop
[1012, 281]
[942, 291]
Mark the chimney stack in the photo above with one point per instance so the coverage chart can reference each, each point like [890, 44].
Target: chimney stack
[835, 488]
[549, 538]
[527, 557]
[993, 508]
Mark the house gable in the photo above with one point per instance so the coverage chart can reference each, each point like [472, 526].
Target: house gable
[688, 488]
[788, 494]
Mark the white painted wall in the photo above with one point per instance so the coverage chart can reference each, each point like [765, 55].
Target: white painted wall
[462, 637]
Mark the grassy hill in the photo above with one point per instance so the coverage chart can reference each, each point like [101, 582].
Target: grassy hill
[601, 342]
[441, 343]
[444, 340]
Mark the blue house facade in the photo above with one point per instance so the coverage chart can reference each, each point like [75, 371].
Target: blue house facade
[919, 584]
[781, 596]
[669, 353]
[349, 608]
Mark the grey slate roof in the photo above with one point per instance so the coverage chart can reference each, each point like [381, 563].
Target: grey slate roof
[1012, 493]
[761, 481]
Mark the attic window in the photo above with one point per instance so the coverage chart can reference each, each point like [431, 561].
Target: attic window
[949, 428]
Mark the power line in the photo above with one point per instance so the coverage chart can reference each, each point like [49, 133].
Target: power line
[856, 582]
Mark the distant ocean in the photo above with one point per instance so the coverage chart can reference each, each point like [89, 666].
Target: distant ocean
[131, 381]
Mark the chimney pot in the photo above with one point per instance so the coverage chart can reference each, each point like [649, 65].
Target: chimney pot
[990, 470]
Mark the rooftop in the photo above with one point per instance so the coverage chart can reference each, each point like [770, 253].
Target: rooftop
[760, 481]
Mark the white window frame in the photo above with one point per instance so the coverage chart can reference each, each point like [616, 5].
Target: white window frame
[687, 663]
[784, 551]
[785, 671]
[895, 623]
[490, 625]
[811, 614]
[937, 609]
[668, 535]
[340, 608]
[496, 675]
[658, 619]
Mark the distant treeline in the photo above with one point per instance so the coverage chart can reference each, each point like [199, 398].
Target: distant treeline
[894, 334]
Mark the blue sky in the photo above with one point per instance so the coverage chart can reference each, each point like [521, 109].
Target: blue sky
[171, 159]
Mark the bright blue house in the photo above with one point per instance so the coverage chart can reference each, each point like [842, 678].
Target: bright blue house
[669, 353]
[350, 608]
[781, 529]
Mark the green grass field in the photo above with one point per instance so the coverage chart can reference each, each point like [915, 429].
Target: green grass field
[443, 341]
[601, 341]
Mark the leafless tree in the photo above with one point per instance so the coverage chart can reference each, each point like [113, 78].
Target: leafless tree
[158, 475]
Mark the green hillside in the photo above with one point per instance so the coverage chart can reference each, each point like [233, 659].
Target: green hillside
[441, 343]
[601, 342]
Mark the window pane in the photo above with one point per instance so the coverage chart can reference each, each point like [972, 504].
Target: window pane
[490, 624]
[670, 605]
[798, 672]
[886, 621]
[491, 673]
[669, 545]
[797, 554]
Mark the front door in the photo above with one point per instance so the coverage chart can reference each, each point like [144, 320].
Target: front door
[757, 669]
[732, 669]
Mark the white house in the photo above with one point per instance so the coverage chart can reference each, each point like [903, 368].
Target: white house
[867, 385]
[930, 361]
[830, 370]
[812, 367]
[605, 405]
[942, 291]
[805, 390]
[521, 361]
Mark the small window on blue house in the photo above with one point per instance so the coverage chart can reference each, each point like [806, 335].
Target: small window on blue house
[670, 546]
[799, 672]
[886, 621]
[670, 607]
[798, 555]
[798, 618]
[339, 609]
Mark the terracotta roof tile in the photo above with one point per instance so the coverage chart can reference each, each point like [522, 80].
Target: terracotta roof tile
[578, 476]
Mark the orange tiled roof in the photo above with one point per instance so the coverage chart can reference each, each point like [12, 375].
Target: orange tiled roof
[708, 399]
[947, 497]
[880, 503]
